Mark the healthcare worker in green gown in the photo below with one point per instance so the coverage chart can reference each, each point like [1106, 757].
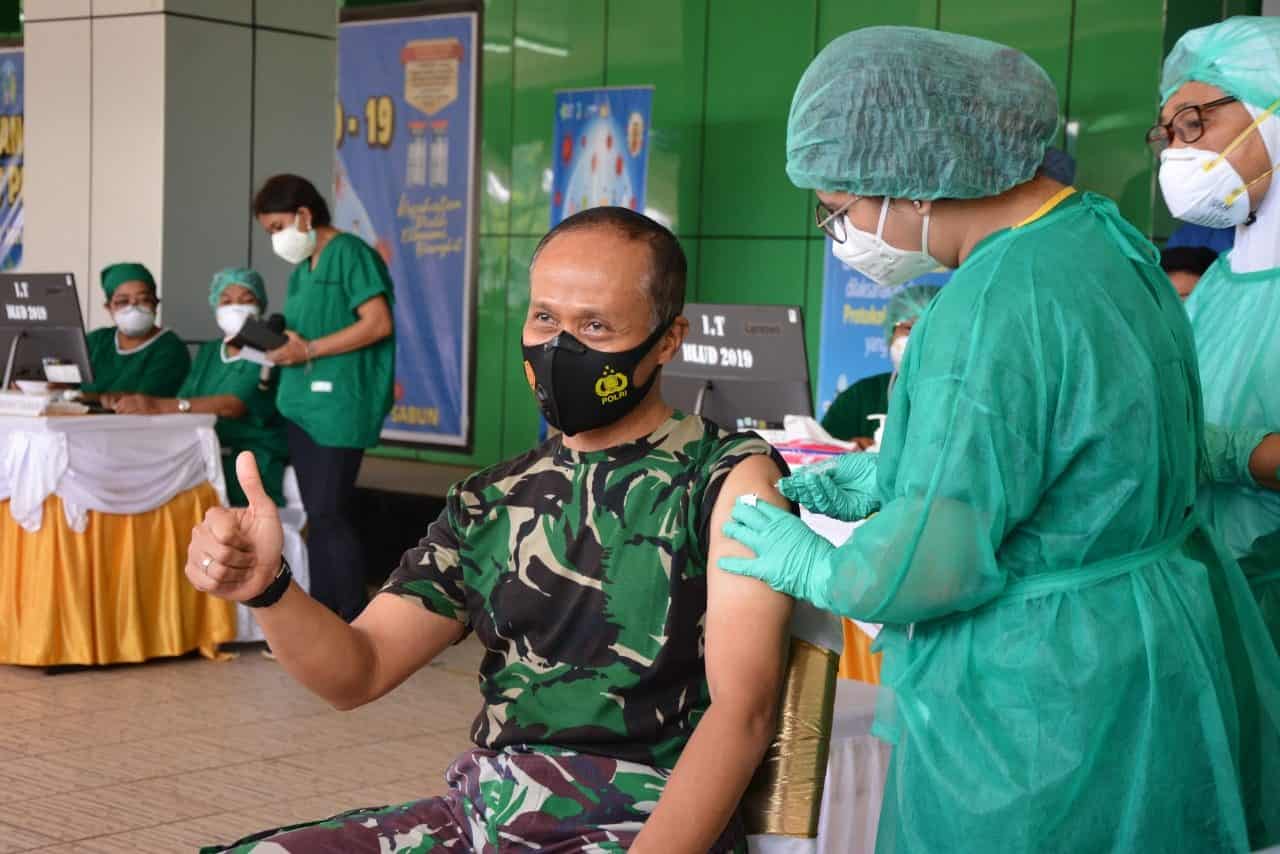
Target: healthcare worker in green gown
[1072, 662]
[337, 378]
[223, 382]
[1219, 139]
[135, 355]
[849, 416]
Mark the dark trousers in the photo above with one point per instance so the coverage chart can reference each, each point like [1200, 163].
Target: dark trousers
[327, 481]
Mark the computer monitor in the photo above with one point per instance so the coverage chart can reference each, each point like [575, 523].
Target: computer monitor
[40, 328]
[741, 366]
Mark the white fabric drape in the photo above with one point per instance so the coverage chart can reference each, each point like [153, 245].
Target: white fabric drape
[121, 464]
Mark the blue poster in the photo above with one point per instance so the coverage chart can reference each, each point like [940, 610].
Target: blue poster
[852, 345]
[601, 149]
[405, 128]
[12, 103]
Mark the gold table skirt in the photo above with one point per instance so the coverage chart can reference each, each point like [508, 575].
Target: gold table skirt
[858, 661]
[114, 594]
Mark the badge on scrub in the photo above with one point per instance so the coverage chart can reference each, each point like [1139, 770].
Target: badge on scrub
[322, 386]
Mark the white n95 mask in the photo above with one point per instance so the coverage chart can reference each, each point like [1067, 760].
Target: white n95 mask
[293, 245]
[135, 321]
[1201, 187]
[886, 265]
[232, 317]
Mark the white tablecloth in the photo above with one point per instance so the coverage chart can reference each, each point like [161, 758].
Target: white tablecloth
[121, 464]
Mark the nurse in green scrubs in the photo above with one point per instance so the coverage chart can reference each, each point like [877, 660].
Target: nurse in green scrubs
[224, 383]
[135, 355]
[338, 369]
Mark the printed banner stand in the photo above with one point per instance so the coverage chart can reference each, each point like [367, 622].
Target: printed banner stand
[12, 123]
[404, 181]
[852, 345]
[601, 149]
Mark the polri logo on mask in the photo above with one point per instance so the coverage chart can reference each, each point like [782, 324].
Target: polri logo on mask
[612, 386]
[580, 388]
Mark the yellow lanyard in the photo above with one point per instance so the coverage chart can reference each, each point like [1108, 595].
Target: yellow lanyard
[1053, 202]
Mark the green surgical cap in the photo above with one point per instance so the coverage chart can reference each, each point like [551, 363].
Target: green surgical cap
[1241, 56]
[918, 114]
[115, 275]
[250, 279]
[907, 305]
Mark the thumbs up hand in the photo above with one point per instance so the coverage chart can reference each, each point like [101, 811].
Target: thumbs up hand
[235, 553]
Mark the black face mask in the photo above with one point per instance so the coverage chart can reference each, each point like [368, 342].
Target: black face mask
[581, 389]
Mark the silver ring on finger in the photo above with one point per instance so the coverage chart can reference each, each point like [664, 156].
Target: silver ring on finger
[205, 564]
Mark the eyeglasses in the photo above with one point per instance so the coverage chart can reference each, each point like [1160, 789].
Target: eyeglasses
[1187, 125]
[143, 302]
[832, 221]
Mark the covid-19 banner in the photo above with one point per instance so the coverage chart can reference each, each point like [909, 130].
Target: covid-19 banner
[601, 149]
[853, 340]
[12, 123]
[405, 129]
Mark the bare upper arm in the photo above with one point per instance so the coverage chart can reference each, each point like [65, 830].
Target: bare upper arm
[747, 621]
[376, 311]
[403, 637]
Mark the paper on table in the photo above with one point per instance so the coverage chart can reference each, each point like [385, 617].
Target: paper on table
[69, 374]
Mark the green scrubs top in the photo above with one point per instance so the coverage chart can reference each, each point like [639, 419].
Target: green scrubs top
[260, 429]
[1074, 664]
[847, 415]
[340, 401]
[156, 368]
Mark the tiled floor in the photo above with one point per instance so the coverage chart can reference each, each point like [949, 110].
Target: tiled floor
[168, 756]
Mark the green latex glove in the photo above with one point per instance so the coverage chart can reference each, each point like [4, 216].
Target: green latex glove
[842, 488]
[1227, 454]
[790, 558]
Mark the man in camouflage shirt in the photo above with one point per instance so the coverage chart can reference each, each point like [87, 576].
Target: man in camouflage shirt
[629, 686]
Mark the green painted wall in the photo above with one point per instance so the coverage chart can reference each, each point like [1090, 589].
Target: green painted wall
[724, 72]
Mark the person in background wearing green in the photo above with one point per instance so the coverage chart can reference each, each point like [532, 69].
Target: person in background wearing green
[338, 370]
[224, 383]
[135, 355]
[1218, 138]
[1074, 662]
[848, 417]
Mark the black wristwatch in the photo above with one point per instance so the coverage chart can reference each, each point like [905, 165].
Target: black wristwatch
[275, 589]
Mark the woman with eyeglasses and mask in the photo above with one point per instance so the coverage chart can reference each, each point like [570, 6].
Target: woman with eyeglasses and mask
[1072, 663]
[136, 355]
[1218, 139]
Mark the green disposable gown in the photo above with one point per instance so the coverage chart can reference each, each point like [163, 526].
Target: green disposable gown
[1236, 318]
[1075, 663]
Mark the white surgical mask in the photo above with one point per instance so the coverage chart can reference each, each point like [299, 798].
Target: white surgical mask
[897, 350]
[1203, 188]
[135, 321]
[880, 262]
[293, 245]
[232, 317]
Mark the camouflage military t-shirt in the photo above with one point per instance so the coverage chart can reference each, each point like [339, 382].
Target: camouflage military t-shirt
[585, 577]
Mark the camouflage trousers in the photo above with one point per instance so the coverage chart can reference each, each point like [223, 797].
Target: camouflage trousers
[520, 799]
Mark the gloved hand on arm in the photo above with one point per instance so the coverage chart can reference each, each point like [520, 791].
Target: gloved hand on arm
[1243, 457]
[790, 557]
[843, 488]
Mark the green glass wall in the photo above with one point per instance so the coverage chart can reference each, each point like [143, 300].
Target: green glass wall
[724, 72]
